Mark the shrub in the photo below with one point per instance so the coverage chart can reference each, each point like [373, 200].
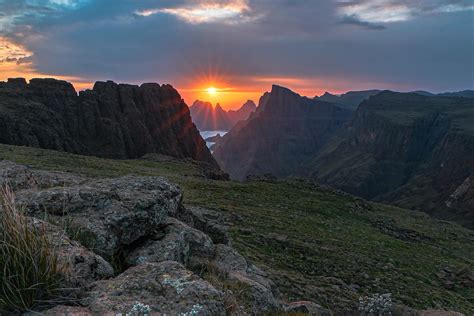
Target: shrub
[29, 273]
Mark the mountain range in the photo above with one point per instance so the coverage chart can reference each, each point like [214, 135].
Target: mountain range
[407, 149]
[209, 118]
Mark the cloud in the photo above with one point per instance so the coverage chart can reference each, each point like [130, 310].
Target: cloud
[12, 52]
[198, 12]
[373, 13]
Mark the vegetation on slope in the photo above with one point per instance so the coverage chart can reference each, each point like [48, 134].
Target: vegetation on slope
[315, 243]
[29, 272]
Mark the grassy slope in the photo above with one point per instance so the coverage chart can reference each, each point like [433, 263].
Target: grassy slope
[313, 242]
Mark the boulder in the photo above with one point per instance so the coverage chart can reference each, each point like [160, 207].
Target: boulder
[178, 242]
[307, 307]
[20, 177]
[166, 287]
[262, 291]
[80, 265]
[208, 221]
[113, 213]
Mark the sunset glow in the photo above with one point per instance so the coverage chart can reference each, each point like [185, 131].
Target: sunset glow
[212, 90]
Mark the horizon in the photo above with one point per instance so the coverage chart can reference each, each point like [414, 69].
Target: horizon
[240, 47]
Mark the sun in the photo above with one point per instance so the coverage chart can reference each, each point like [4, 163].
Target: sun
[211, 90]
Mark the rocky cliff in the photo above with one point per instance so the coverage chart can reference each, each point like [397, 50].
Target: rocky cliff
[111, 120]
[408, 149]
[285, 131]
[209, 118]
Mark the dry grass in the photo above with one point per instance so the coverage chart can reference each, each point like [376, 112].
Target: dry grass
[29, 273]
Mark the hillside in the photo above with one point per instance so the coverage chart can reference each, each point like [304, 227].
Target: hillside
[313, 242]
[111, 120]
[285, 131]
[407, 149]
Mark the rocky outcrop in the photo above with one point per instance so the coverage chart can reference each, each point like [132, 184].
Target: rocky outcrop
[129, 243]
[111, 120]
[285, 131]
[209, 118]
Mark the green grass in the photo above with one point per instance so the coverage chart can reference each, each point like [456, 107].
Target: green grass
[315, 244]
[29, 271]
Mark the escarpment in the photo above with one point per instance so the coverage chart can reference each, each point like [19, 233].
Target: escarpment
[110, 120]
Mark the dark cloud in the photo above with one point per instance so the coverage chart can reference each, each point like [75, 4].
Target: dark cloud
[354, 21]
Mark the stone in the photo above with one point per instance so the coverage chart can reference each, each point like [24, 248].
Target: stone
[208, 221]
[166, 287]
[80, 265]
[262, 291]
[114, 213]
[20, 177]
[307, 307]
[179, 242]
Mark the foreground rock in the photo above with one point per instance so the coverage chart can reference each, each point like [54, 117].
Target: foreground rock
[112, 213]
[166, 287]
[136, 242]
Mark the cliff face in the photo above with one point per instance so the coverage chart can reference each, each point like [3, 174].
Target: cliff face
[285, 131]
[410, 150]
[111, 120]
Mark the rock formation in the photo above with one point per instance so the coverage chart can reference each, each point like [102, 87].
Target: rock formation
[136, 242]
[111, 120]
[280, 136]
[209, 118]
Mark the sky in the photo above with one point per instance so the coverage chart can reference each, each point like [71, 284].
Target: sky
[242, 47]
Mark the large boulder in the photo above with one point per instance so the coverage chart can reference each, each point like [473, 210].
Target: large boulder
[112, 213]
[20, 177]
[208, 221]
[79, 265]
[166, 287]
[178, 242]
[262, 292]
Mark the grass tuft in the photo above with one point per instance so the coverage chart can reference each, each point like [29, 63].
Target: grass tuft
[29, 271]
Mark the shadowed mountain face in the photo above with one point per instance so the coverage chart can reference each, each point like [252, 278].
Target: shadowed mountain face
[283, 133]
[209, 118]
[407, 149]
[349, 100]
[111, 120]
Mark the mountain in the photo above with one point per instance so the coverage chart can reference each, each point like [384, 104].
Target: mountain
[349, 100]
[243, 113]
[111, 120]
[407, 149]
[285, 131]
[464, 94]
[208, 118]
